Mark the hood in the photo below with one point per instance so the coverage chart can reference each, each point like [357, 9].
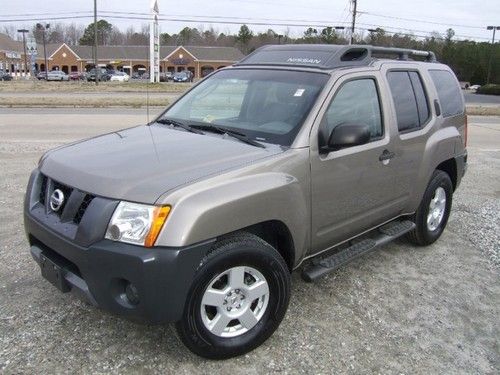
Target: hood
[142, 163]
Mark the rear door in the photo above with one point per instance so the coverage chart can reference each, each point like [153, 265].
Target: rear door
[409, 98]
[353, 189]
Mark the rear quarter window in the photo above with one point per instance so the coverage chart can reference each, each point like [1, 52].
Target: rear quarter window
[448, 91]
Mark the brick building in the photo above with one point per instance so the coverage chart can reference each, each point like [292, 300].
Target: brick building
[199, 60]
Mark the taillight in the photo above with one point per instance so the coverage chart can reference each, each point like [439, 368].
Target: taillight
[466, 131]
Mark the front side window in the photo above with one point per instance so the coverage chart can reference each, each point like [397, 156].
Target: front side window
[357, 102]
[265, 105]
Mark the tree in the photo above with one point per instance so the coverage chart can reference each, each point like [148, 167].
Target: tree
[311, 35]
[104, 29]
[244, 37]
[328, 35]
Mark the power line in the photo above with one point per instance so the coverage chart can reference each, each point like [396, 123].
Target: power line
[220, 20]
[420, 21]
[418, 31]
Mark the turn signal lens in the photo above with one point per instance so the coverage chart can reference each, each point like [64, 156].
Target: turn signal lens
[160, 214]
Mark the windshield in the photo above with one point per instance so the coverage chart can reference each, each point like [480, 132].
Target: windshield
[265, 105]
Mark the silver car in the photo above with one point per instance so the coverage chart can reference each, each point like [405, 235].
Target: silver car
[57, 75]
[298, 157]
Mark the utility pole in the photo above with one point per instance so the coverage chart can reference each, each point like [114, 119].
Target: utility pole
[355, 4]
[41, 27]
[24, 31]
[494, 28]
[96, 67]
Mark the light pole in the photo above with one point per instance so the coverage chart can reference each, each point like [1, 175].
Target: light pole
[97, 70]
[24, 31]
[41, 27]
[494, 28]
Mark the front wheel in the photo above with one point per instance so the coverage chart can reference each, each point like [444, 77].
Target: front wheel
[432, 214]
[239, 296]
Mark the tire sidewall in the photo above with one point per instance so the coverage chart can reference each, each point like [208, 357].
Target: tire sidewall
[248, 253]
[440, 179]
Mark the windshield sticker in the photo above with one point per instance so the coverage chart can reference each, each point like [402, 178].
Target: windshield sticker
[299, 92]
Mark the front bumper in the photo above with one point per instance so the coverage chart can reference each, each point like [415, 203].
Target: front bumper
[99, 270]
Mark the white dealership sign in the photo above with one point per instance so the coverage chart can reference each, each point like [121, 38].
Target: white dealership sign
[154, 44]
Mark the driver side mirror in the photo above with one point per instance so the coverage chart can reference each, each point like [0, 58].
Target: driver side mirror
[347, 135]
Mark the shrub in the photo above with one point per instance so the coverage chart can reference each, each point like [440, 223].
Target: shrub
[489, 89]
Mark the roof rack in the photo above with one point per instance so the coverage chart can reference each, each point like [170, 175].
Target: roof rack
[327, 56]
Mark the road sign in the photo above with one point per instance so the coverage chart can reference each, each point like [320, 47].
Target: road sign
[31, 47]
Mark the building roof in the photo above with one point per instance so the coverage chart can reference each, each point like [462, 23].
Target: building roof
[127, 52]
[142, 52]
[9, 44]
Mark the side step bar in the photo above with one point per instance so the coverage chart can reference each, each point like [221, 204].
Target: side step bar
[386, 233]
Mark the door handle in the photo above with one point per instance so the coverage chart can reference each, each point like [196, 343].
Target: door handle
[386, 155]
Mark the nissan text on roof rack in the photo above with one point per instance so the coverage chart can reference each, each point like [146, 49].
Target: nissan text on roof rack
[297, 157]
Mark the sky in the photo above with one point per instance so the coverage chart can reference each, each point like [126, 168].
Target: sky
[468, 18]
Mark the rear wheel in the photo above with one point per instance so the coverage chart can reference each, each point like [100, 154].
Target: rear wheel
[238, 298]
[432, 214]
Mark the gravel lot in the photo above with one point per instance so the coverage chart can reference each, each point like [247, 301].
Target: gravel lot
[398, 310]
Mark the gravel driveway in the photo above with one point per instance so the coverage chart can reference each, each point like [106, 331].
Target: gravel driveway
[401, 309]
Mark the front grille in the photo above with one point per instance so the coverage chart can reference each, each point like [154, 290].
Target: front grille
[43, 190]
[75, 211]
[83, 207]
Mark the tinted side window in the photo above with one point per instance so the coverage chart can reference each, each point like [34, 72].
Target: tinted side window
[418, 89]
[404, 100]
[448, 91]
[356, 102]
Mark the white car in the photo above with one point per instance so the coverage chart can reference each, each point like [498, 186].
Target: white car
[57, 75]
[474, 87]
[119, 77]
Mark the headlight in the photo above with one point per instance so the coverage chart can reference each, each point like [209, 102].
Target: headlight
[138, 224]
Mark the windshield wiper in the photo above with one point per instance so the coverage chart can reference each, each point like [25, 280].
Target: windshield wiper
[189, 128]
[233, 133]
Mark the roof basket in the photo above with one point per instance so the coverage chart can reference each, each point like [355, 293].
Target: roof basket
[327, 56]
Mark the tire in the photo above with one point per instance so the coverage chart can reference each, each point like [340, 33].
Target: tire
[261, 264]
[428, 231]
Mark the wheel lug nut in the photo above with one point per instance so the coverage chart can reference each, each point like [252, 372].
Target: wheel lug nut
[237, 290]
[228, 309]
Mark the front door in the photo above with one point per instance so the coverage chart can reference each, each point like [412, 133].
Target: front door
[352, 188]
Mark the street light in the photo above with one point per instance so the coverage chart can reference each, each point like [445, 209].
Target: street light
[41, 27]
[24, 31]
[494, 28]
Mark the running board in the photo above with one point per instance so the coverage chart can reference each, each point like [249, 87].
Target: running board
[386, 233]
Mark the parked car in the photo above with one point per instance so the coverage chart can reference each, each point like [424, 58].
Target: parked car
[76, 76]
[181, 77]
[166, 76]
[4, 76]
[104, 75]
[41, 75]
[297, 157]
[57, 75]
[474, 87]
[119, 77]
